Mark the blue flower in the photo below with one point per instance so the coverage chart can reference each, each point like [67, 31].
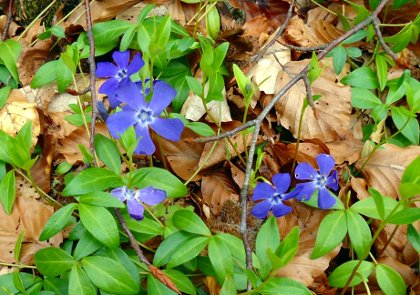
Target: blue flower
[142, 115]
[318, 181]
[135, 199]
[272, 197]
[118, 74]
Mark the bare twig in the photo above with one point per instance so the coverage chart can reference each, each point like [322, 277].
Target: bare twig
[92, 68]
[280, 32]
[8, 22]
[381, 40]
[77, 93]
[309, 92]
[305, 49]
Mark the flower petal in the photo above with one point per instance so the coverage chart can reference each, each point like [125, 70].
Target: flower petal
[163, 94]
[109, 86]
[263, 191]
[325, 200]
[305, 190]
[121, 58]
[120, 193]
[281, 209]
[332, 181]
[151, 195]
[130, 93]
[135, 209]
[281, 182]
[169, 128]
[119, 122]
[136, 64]
[105, 69]
[304, 171]
[113, 100]
[325, 164]
[261, 209]
[145, 145]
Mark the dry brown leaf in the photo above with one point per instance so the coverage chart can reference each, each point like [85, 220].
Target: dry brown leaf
[347, 150]
[384, 169]
[41, 170]
[302, 268]
[333, 108]
[29, 216]
[216, 188]
[238, 175]
[18, 111]
[183, 155]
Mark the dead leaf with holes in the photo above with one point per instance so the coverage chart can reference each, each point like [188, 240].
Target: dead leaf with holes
[29, 215]
[16, 113]
[302, 268]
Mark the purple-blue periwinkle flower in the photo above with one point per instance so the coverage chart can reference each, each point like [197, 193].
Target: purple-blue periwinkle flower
[142, 115]
[118, 74]
[135, 199]
[318, 181]
[272, 197]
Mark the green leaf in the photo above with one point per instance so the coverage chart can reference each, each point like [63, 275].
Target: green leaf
[200, 128]
[268, 237]
[58, 32]
[86, 245]
[92, 179]
[228, 287]
[363, 77]
[353, 52]
[235, 245]
[339, 277]
[410, 179]
[100, 223]
[63, 168]
[9, 54]
[407, 123]
[339, 59]
[381, 70]
[169, 246]
[314, 68]
[188, 221]
[182, 282]
[364, 98]
[4, 95]
[53, 261]
[369, 208]
[195, 86]
[79, 283]
[102, 199]
[128, 38]
[220, 258]
[189, 250]
[275, 286]
[356, 37]
[359, 233]
[7, 189]
[389, 280]
[288, 248]
[108, 153]
[379, 202]
[109, 275]
[60, 220]
[414, 237]
[145, 12]
[331, 232]
[156, 287]
[405, 216]
[18, 246]
[107, 32]
[161, 179]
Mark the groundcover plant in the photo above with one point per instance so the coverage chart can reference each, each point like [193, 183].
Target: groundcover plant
[209, 147]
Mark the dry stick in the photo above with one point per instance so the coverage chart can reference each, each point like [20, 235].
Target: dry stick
[304, 49]
[280, 31]
[385, 46]
[267, 109]
[92, 68]
[78, 93]
[8, 22]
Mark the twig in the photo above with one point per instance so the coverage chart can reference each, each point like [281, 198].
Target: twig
[309, 92]
[8, 22]
[381, 40]
[280, 32]
[227, 133]
[78, 93]
[304, 49]
[92, 68]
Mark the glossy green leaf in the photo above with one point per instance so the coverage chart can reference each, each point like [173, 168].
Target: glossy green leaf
[228, 287]
[413, 237]
[381, 70]
[369, 208]
[188, 221]
[182, 282]
[364, 98]
[169, 246]
[314, 69]
[195, 86]
[60, 220]
[156, 287]
[146, 226]
[339, 59]
[268, 237]
[276, 286]
[359, 233]
[331, 232]
[220, 258]
[407, 123]
[127, 38]
[100, 223]
[189, 250]
[9, 54]
[53, 261]
[102, 199]
[91, 180]
[405, 216]
[200, 128]
[4, 95]
[288, 248]
[389, 280]
[18, 246]
[109, 275]
[56, 285]
[108, 153]
[7, 189]
[86, 245]
[363, 77]
[339, 277]
[79, 283]
[235, 246]
[107, 32]
[411, 179]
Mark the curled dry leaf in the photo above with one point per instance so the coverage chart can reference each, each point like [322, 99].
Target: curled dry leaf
[161, 276]
[384, 169]
[333, 108]
[216, 188]
[302, 268]
[41, 170]
[29, 215]
[17, 112]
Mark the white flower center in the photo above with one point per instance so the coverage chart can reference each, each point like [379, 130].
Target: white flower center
[121, 74]
[320, 181]
[144, 117]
